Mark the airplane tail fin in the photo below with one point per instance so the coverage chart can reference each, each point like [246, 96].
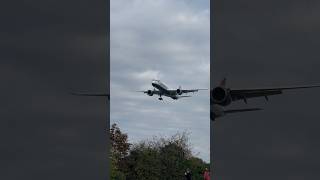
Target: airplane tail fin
[223, 82]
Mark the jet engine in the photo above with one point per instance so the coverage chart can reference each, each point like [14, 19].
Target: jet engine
[179, 91]
[221, 96]
[150, 92]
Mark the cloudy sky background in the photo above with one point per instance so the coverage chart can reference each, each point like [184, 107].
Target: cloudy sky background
[167, 40]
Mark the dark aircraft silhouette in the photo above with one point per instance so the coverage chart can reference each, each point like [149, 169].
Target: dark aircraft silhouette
[221, 96]
[91, 94]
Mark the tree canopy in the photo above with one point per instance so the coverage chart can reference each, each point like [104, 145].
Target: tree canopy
[159, 158]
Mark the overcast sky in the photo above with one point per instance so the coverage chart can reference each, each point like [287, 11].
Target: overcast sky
[166, 40]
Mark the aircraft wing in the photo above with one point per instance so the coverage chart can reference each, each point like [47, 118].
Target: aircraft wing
[90, 94]
[241, 110]
[216, 113]
[183, 96]
[243, 94]
[191, 90]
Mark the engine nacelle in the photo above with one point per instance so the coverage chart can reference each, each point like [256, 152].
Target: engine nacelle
[221, 96]
[179, 91]
[150, 92]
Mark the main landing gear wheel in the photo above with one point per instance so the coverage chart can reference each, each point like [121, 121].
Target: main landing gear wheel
[160, 99]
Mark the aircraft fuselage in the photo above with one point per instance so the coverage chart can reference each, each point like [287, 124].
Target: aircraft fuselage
[163, 89]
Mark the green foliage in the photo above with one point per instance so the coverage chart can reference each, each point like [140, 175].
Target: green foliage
[119, 150]
[156, 159]
[116, 174]
[143, 162]
[197, 167]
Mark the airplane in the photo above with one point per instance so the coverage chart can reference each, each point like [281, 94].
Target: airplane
[221, 96]
[162, 90]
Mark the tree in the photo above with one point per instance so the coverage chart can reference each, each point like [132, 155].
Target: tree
[143, 162]
[197, 167]
[162, 158]
[174, 153]
[156, 159]
[119, 150]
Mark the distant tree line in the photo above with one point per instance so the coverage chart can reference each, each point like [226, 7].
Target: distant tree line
[156, 159]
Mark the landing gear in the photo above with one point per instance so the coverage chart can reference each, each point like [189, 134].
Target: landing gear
[160, 98]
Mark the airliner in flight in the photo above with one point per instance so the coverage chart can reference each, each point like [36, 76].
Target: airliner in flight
[221, 96]
[161, 89]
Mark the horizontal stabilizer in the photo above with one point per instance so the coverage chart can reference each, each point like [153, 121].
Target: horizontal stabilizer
[241, 110]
